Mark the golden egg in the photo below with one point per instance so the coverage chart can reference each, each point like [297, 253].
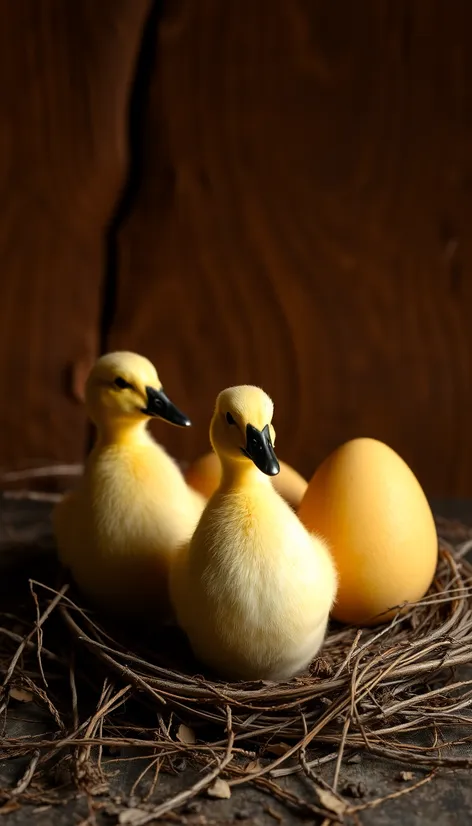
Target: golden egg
[369, 506]
[204, 476]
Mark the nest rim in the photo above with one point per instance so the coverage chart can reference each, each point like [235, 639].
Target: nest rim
[402, 654]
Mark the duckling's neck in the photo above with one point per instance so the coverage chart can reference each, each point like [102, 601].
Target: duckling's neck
[122, 432]
[241, 475]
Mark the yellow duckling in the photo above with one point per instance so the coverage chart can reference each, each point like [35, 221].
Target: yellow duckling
[118, 530]
[205, 472]
[253, 588]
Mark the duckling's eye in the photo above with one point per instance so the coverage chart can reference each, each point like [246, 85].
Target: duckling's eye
[122, 384]
[230, 419]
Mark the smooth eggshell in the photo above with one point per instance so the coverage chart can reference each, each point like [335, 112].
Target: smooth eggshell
[368, 505]
[204, 475]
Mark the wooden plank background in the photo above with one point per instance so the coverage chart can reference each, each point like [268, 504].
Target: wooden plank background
[65, 76]
[296, 215]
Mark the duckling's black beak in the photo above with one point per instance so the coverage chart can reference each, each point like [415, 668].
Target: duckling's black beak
[260, 450]
[158, 404]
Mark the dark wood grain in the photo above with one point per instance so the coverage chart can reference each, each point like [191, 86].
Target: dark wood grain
[65, 76]
[303, 222]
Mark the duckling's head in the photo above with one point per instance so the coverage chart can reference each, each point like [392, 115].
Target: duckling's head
[241, 429]
[124, 387]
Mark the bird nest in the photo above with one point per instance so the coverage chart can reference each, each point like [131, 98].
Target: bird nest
[355, 667]
[397, 692]
[365, 690]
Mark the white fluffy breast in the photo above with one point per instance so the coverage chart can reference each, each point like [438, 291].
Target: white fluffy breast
[262, 568]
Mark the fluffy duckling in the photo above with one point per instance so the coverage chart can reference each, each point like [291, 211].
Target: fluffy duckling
[252, 589]
[132, 508]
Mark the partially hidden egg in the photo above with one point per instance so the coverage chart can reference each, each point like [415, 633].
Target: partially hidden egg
[368, 505]
[204, 476]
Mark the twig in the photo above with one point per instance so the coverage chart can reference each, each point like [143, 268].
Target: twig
[30, 645]
[109, 704]
[26, 640]
[308, 771]
[73, 690]
[291, 798]
[32, 495]
[151, 764]
[27, 777]
[342, 744]
[176, 801]
[372, 804]
[45, 472]
[39, 631]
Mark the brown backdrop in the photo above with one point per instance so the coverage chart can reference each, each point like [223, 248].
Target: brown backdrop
[276, 192]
